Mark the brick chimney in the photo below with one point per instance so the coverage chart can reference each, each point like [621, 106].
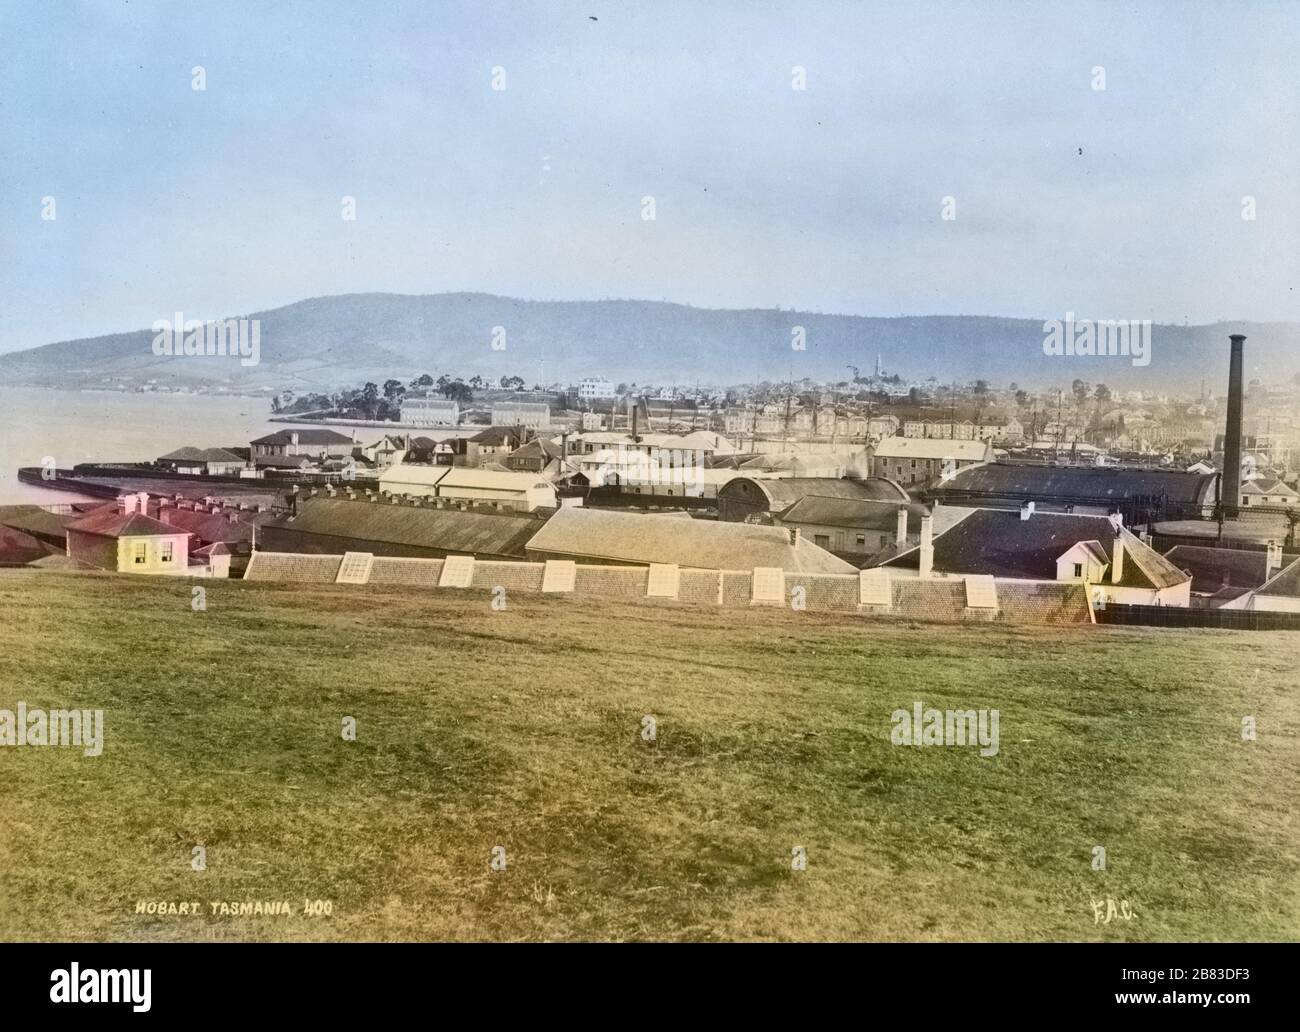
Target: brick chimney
[794, 536]
[1274, 559]
[1231, 476]
[927, 546]
[900, 534]
[1117, 548]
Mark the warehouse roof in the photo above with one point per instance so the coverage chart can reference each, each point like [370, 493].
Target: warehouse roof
[1071, 482]
[697, 544]
[450, 530]
[784, 492]
[932, 448]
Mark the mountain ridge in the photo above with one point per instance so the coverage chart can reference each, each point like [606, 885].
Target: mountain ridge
[342, 338]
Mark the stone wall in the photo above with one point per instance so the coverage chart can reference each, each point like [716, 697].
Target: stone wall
[937, 600]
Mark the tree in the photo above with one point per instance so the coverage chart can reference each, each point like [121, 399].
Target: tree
[370, 399]
[424, 380]
[1079, 389]
[456, 390]
[1102, 393]
[393, 390]
[1022, 398]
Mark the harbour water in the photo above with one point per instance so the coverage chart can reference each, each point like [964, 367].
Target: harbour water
[99, 426]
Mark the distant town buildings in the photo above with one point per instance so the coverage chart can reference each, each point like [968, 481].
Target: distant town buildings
[595, 389]
[428, 409]
[530, 415]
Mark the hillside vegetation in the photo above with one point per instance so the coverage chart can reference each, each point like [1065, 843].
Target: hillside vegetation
[356, 337]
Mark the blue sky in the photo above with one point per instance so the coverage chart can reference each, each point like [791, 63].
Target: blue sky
[227, 201]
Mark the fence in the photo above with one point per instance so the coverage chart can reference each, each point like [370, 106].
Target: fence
[1177, 616]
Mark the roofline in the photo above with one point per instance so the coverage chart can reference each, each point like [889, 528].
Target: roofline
[1260, 590]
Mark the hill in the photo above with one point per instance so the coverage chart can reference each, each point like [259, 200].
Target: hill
[522, 729]
[334, 340]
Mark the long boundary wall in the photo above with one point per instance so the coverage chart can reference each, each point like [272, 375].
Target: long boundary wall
[869, 593]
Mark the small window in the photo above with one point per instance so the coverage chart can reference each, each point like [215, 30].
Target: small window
[141, 552]
[167, 547]
[1078, 569]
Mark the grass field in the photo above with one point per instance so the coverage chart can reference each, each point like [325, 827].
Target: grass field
[522, 729]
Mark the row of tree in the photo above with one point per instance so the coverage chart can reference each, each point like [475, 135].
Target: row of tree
[370, 401]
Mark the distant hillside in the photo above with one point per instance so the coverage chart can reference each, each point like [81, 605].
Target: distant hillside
[334, 340]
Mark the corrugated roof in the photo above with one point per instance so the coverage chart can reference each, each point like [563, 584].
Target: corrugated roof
[782, 493]
[1045, 482]
[451, 530]
[697, 544]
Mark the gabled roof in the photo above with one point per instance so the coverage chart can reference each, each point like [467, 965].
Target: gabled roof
[999, 542]
[450, 530]
[495, 436]
[855, 513]
[1215, 568]
[116, 524]
[32, 519]
[1092, 548]
[698, 544]
[1268, 485]
[1285, 582]
[192, 454]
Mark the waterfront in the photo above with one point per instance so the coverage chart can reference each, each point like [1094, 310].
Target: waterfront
[97, 426]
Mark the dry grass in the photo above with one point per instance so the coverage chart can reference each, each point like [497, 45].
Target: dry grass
[522, 729]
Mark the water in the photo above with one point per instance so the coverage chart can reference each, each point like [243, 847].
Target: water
[104, 426]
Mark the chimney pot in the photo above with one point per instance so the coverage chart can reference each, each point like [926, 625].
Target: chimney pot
[926, 569]
[1274, 558]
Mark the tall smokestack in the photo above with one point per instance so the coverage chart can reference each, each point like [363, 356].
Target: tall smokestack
[1232, 434]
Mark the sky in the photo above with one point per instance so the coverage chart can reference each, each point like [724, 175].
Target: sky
[1122, 202]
